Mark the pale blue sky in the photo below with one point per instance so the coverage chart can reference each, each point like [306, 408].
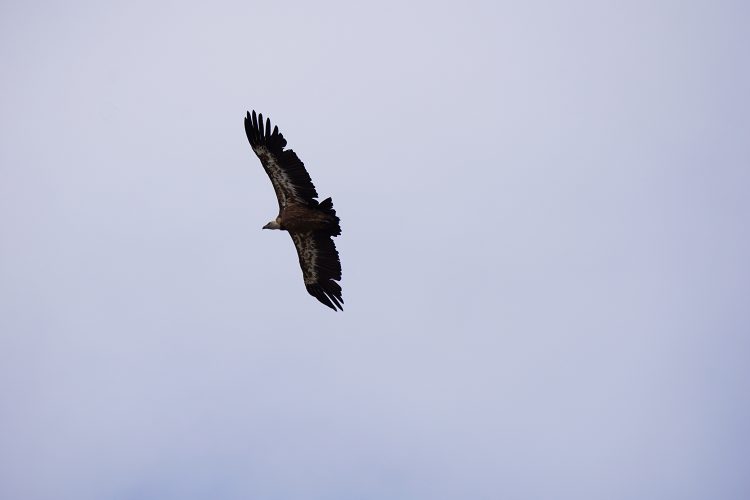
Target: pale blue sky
[545, 251]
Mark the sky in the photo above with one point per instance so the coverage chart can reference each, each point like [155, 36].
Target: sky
[545, 251]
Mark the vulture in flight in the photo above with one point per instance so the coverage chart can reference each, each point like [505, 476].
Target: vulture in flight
[310, 223]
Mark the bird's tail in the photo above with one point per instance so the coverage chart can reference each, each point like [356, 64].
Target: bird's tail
[333, 226]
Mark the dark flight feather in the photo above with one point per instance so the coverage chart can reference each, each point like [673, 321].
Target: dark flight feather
[287, 172]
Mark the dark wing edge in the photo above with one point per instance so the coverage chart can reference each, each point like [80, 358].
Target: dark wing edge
[320, 265]
[287, 172]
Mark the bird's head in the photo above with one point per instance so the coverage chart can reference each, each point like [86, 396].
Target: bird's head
[274, 224]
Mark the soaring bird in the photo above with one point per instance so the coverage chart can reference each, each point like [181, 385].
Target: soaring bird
[310, 223]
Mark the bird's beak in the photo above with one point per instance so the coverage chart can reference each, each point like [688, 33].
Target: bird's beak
[266, 226]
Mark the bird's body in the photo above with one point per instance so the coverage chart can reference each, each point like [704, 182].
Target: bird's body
[310, 223]
[296, 217]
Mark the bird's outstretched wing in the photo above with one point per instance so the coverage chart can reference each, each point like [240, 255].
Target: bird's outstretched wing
[320, 265]
[287, 172]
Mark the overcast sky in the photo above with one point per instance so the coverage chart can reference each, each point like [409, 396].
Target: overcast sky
[545, 251]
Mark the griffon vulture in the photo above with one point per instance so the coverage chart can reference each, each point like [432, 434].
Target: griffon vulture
[310, 223]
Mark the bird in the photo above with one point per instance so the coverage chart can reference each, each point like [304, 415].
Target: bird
[310, 223]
